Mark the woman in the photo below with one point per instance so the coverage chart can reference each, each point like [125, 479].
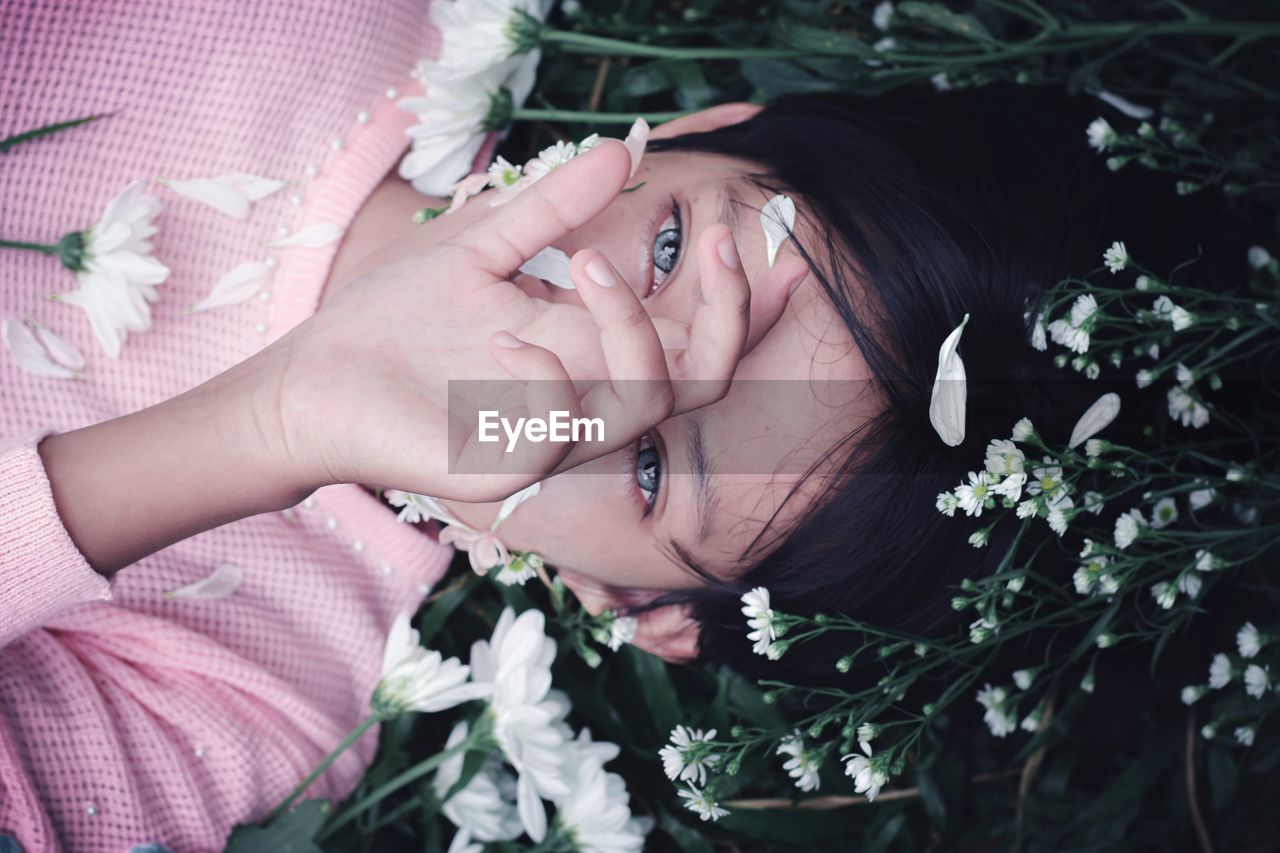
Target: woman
[170, 718]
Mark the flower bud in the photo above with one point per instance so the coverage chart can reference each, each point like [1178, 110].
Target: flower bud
[845, 663]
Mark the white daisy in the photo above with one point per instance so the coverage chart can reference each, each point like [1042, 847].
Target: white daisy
[702, 805]
[1244, 735]
[1164, 513]
[1220, 671]
[803, 765]
[1164, 593]
[760, 619]
[1128, 527]
[1116, 257]
[688, 756]
[974, 494]
[1100, 134]
[1186, 409]
[1248, 641]
[1256, 680]
[1192, 693]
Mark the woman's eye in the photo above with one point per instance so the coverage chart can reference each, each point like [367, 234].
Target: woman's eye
[666, 249]
[648, 471]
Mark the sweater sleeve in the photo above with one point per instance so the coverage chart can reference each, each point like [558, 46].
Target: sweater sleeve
[42, 570]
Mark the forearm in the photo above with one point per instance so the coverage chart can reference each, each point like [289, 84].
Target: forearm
[131, 486]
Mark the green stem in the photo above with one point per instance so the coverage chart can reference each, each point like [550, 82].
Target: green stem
[388, 788]
[364, 726]
[584, 43]
[34, 247]
[587, 116]
[19, 138]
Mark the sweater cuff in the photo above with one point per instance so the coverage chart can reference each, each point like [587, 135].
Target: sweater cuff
[43, 571]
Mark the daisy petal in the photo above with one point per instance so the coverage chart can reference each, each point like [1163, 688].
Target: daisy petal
[550, 264]
[220, 584]
[312, 237]
[509, 505]
[217, 195]
[1096, 419]
[947, 403]
[28, 353]
[777, 218]
[234, 287]
[59, 350]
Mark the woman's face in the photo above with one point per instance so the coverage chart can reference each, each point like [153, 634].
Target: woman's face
[706, 481]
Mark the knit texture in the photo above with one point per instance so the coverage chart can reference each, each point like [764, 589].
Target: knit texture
[127, 717]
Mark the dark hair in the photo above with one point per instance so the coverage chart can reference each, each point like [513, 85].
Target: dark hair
[945, 204]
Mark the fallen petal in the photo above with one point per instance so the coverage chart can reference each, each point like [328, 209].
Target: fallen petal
[59, 350]
[28, 353]
[1097, 418]
[254, 187]
[947, 403]
[220, 584]
[550, 264]
[234, 287]
[509, 505]
[312, 237]
[777, 218]
[219, 196]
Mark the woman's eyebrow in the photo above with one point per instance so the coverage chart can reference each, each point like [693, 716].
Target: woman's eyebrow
[728, 204]
[699, 461]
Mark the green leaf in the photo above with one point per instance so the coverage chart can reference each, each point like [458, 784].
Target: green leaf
[47, 130]
[937, 15]
[659, 693]
[821, 41]
[686, 837]
[292, 833]
[435, 614]
[774, 77]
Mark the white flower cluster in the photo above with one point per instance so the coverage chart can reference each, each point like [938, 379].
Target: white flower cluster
[540, 757]
[804, 764]
[688, 758]
[1254, 677]
[485, 69]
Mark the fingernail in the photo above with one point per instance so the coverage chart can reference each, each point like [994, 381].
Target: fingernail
[599, 272]
[728, 253]
[508, 340]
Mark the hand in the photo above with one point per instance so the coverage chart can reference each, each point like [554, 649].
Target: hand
[362, 387]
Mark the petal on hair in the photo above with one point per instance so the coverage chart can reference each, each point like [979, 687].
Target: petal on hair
[1097, 418]
[550, 264]
[950, 391]
[220, 584]
[28, 353]
[637, 139]
[227, 199]
[312, 237]
[510, 504]
[59, 350]
[234, 287]
[777, 218]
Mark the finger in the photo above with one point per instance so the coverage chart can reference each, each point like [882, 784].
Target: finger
[566, 199]
[547, 389]
[769, 299]
[720, 323]
[638, 391]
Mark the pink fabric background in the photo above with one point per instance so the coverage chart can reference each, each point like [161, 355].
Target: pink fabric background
[126, 717]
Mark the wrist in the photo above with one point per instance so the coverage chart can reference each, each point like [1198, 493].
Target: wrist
[131, 486]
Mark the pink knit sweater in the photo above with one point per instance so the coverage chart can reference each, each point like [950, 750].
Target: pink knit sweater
[127, 717]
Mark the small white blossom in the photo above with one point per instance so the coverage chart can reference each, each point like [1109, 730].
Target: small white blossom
[1256, 680]
[1220, 671]
[979, 538]
[1023, 431]
[1164, 513]
[1201, 498]
[1186, 409]
[1060, 513]
[1128, 527]
[867, 774]
[1205, 561]
[1028, 508]
[1087, 683]
[1100, 134]
[1192, 693]
[760, 619]
[1116, 257]
[1092, 502]
[688, 758]
[703, 806]
[1184, 375]
[999, 718]
[974, 494]
[1064, 334]
[622, 631]
[1164, 593]
[1244, 735]
[803, 765]
[1038, 330]
[1023, 678]
[1189, 583]
[1248, 640]
[881, 15]
[1004, 458]
[1144, 378]
[1258, 257]
[947, 504]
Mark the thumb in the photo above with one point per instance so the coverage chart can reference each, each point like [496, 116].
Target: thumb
[567, 198]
